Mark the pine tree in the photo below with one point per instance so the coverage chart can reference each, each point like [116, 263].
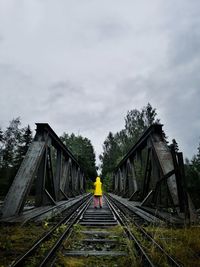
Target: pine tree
[196, 160]
[175, 145]
[149, 116]
[198, 155]
[192, 172]
[11, 138]
[1, 135]
[1, 148]
[24, 141]
[14, 143]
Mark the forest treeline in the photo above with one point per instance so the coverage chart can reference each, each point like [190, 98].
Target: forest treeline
[15, 140]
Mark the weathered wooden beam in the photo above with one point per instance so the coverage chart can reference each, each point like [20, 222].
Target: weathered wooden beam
[166, 162]
[132, 182]
[23, 180]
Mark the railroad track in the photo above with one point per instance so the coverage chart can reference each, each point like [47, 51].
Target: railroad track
[126, 218]
[98, 238]
[65, 224]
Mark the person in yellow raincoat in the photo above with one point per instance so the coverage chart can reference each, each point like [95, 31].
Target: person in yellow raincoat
[98, 193]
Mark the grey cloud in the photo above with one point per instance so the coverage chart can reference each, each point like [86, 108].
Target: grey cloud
[185, 46]
[67, 87]
[173, 90]
[111, 29]
[133, 86]
[182, 27]
[177, 99]
[61, 92]
[8, 69]
[80, 67]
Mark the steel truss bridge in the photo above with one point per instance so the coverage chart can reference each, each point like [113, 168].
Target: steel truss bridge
[151, 174]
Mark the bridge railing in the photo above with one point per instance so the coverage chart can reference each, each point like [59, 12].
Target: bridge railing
[48, 166]
[153, 173]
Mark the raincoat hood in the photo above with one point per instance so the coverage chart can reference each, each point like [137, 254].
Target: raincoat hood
[98, 187]
[98, 179]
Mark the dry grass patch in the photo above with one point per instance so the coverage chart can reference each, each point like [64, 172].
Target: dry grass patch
[16, 239]
[183, 243]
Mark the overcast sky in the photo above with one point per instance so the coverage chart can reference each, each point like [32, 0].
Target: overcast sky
[81, 65]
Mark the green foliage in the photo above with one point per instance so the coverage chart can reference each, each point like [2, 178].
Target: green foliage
[90, 186]
[117, 145]
[111, 152]
[14, 143]
[136, 122]
[107, 182]
[25, 139]
[83, 151]
[192, 173]
[15, 239]
[175, 145]
[11, 139]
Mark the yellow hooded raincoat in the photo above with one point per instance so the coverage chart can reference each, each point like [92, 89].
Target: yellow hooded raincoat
[98, 187]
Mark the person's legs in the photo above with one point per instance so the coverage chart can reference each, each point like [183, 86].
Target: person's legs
[100, 201]
[95, 201]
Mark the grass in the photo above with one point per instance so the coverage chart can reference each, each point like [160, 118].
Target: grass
[45, 247]
[183, 243]
[15, 240]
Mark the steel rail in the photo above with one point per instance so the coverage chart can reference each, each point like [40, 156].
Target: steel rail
[55, 247]
[170, 259]
[51, 208]
[123, 222]
[19, 262]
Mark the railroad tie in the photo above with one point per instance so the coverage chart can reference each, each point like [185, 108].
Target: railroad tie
[99, 239]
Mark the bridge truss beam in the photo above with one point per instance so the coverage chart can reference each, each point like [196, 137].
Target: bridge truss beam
[153, 173]
[48, 166]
